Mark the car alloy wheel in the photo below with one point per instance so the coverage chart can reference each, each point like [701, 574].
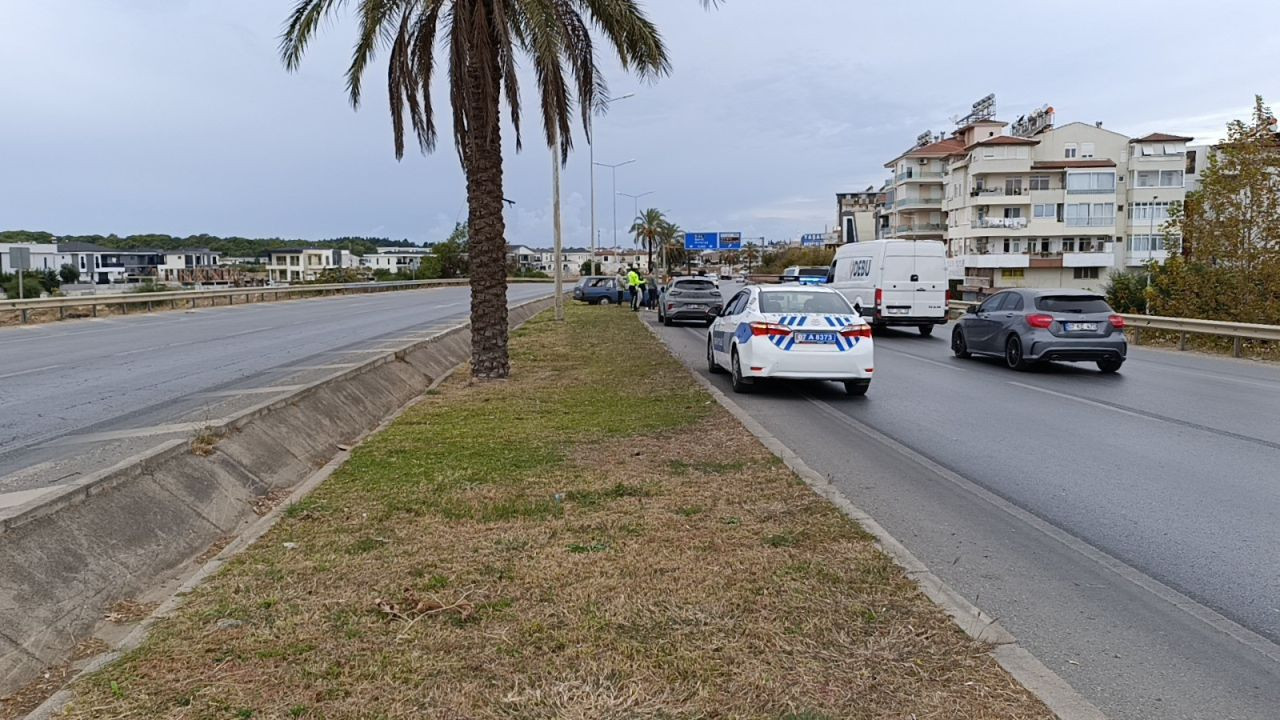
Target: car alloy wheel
[1013, 354]
[958, 345]
[1110, 365]
[740, 385]
[712, 366]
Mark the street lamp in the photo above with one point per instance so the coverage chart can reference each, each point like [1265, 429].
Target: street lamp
[635, 213]
[1151, 241]
[613, 170]
[591, 151]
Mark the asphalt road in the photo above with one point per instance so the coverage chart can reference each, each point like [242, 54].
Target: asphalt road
[1125, 528]
[80, 395]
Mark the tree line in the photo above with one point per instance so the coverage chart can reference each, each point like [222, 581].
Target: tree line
[233, 246]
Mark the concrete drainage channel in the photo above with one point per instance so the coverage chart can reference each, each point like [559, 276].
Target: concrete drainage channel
[66, 559]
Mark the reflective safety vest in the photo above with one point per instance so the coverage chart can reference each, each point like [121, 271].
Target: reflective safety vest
[633, 279]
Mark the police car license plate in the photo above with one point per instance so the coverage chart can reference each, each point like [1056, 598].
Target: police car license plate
[1080, 327]
[818, 338]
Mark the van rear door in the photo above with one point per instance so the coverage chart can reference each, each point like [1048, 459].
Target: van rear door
[896, 281]
[930, 287]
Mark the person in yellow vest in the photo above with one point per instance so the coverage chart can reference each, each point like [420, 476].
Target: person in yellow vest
[636, 284]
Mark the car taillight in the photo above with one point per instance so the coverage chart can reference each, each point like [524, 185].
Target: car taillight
[1116, 322]
[671, 306]
[765, 328]
[1040, 321]
[946, 297]
[879, 297]
[856, 331]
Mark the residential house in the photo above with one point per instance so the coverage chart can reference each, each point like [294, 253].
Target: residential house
[291, 265]
[398, 260]
[193, 266]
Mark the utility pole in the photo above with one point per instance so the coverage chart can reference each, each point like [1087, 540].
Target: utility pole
[635, 213]
[591, 151]
[613, 170]
[555, 220]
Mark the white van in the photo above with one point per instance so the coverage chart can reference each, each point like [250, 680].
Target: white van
[894, 282]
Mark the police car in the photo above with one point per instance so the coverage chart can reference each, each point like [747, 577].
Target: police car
[791, 332]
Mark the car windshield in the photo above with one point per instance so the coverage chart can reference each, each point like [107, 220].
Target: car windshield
[803, 301]
[697, 285]
[814, 271]
[1079, 304]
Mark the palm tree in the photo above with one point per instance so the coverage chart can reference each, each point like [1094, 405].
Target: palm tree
[648, 228]
[483, 39]
[672, 244]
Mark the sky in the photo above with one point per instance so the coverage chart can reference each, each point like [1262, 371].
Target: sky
[178, 117]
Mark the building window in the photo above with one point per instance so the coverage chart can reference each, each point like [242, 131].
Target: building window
[1084, 273]
[1044, 210]
[1069, 150]
[1039, 182]
[1086, 150]
[1013, 273]
[1149, 211]
[1170, 178]
[1068, 244]
[1146, 243]
[1091, 182]
[1090, 215]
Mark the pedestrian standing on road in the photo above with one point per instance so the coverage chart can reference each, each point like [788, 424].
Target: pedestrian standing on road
[622, 284]
[651, 288]
[637, 288]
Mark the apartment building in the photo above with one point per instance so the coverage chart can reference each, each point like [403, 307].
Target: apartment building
[915, 203]
[1034, 205]
[306, 264]
[856, 215]
[396, 259]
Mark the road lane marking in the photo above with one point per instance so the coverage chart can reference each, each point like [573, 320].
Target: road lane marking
[250, 391]
[1143, 415]
[165, 429]
[1203, 613]
[28, 372]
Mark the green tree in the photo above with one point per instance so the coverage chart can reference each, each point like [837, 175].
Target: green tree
[49, 279]
[453, 254]
[648, 229]
[750, 255]
[69, 274]
[775, 262]
[484, 39]
[1126, 291]
[31, 287]
[1228, 267]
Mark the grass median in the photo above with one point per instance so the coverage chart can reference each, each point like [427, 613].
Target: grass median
[593, 538]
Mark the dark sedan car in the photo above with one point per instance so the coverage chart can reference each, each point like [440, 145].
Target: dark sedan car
[1029, 326]
[694, 299]
[599, 290]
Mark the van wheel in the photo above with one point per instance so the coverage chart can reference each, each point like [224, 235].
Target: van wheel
[926, 330]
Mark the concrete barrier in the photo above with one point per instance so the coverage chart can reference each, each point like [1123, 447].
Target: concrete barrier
[66, 558]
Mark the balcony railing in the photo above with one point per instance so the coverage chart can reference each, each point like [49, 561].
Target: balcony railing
[1017, 223]
[1038, 252]
[1092, 191]
[917, 202]
[919, 228]
[1091, 221]
[996, 192]
[913, 175]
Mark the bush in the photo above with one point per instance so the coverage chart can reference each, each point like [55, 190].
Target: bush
[526, 273]
[1126, 291]
[383, 275]
[69, 274]
[31, 287]
[773, 263]
[150, 286]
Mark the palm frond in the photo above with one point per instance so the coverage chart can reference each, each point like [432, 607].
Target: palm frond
[301, 27]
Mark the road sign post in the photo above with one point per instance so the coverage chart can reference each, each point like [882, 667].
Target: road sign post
[20, 260]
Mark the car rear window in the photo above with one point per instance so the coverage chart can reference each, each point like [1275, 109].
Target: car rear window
[1080, 304]
[801, 301]
[694, 285]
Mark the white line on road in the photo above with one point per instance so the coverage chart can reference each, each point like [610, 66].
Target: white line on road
[1079, 399]
[250, 391]
[28, 372]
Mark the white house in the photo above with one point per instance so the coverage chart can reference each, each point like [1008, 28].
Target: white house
[306, 264]
[396, 259]
[192, 266]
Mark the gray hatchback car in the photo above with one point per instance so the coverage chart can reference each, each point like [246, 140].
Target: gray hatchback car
[1029, 326]
[694, 299]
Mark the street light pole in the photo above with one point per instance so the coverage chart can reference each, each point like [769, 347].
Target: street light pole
[635, 214]
[591, 151]
[1151, 240]
[613, 169]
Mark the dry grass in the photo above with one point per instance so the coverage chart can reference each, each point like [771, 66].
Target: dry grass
[593, 538]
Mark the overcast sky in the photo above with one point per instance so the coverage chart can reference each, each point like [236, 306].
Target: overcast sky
[176, 116]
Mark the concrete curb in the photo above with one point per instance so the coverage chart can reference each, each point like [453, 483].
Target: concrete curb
[1048, 686]
[68, 556]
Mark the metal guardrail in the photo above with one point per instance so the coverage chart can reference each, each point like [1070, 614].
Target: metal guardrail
[151, 299]
[1237, 331]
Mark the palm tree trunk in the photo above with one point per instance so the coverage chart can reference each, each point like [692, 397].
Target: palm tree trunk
[487, 238]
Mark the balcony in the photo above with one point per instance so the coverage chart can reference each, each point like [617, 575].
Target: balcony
[909, 203]
[1092, 191]
[1000, 196]
[913, 176]
[1088, 259]
[1138, 258]
[984, 258]
[931, 228]
[1017, 223]
[1108, 221]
